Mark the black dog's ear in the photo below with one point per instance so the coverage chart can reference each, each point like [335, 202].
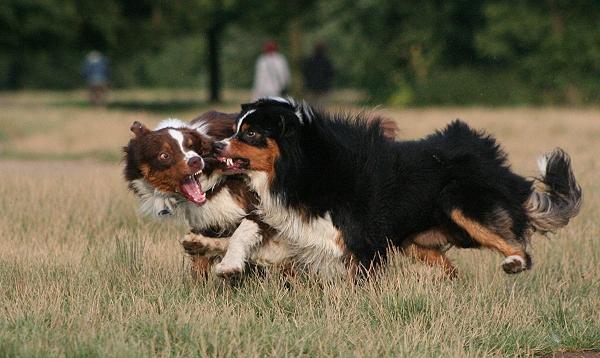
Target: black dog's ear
[287, 123]
[282, 126]
[247, 106]
[138, 128]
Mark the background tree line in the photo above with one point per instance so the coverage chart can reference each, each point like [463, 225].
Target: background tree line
[423, 52]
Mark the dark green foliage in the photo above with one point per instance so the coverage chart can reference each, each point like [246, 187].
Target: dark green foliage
[494, 52]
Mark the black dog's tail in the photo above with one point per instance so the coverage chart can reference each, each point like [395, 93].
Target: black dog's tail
[558, 197]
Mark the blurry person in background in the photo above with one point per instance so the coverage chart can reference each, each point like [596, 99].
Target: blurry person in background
[96, 73]
[318, 73]
[272, 74]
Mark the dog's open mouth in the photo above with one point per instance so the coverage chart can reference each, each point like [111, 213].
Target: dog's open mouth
[234, 165]
[192, 190]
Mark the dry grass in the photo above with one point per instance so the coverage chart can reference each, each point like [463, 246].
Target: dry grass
[83, 275]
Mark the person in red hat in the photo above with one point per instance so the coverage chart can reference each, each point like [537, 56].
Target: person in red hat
[272, 74]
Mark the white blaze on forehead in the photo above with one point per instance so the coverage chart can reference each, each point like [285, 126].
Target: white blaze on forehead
[239, 123]
[178, 136]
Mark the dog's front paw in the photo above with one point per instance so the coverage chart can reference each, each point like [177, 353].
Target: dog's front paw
[515, 264]
[228, 270]
[198, 245]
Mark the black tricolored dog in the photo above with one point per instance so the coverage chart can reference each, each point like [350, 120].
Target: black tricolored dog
[340, 193]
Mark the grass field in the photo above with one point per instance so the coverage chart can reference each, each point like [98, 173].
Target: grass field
[82, 274]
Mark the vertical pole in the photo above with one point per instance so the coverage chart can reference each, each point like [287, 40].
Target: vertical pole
[213, 64]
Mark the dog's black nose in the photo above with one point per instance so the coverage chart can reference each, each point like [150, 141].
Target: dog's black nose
[196, 164]
[218, 147]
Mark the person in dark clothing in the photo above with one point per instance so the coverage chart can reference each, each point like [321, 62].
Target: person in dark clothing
[318, 73]
[96, 73]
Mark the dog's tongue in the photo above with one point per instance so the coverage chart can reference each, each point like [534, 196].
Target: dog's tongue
[192, 191]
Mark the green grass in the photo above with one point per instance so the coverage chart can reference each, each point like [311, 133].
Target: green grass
[82, 274]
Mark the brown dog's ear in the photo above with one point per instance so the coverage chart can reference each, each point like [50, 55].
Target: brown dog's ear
[220, 125]
[138, 128]
[387, 126]
[202, 144]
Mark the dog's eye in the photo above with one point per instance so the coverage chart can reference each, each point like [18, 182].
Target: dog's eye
[250, 134]
[164, 156]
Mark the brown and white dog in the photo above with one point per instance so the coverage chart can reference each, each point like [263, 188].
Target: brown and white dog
[171, 171]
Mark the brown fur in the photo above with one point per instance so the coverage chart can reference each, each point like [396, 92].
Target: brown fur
[484, 235]
[143, 161]
[168, 180]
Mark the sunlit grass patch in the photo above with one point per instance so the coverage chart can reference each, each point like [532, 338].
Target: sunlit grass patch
[83, 274]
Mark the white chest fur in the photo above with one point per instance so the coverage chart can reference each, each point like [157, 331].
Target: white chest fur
[315, 242]
[220, 212]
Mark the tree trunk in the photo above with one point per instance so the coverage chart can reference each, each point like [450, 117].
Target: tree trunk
[296, 57]
[214, 34]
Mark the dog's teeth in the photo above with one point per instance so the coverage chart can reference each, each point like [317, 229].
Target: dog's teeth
[229, 161]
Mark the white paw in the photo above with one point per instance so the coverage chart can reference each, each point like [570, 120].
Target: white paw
[226, 269]
[514, 264]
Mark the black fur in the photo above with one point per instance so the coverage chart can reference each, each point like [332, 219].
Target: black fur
[379, 191]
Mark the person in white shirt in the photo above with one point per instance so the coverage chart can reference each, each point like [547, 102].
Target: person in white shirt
[272, 74]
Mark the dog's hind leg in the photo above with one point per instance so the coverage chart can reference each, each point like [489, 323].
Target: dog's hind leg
[426, 246]
[516, 259]
[201, 266]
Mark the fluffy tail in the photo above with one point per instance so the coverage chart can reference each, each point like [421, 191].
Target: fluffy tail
[558, 197]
